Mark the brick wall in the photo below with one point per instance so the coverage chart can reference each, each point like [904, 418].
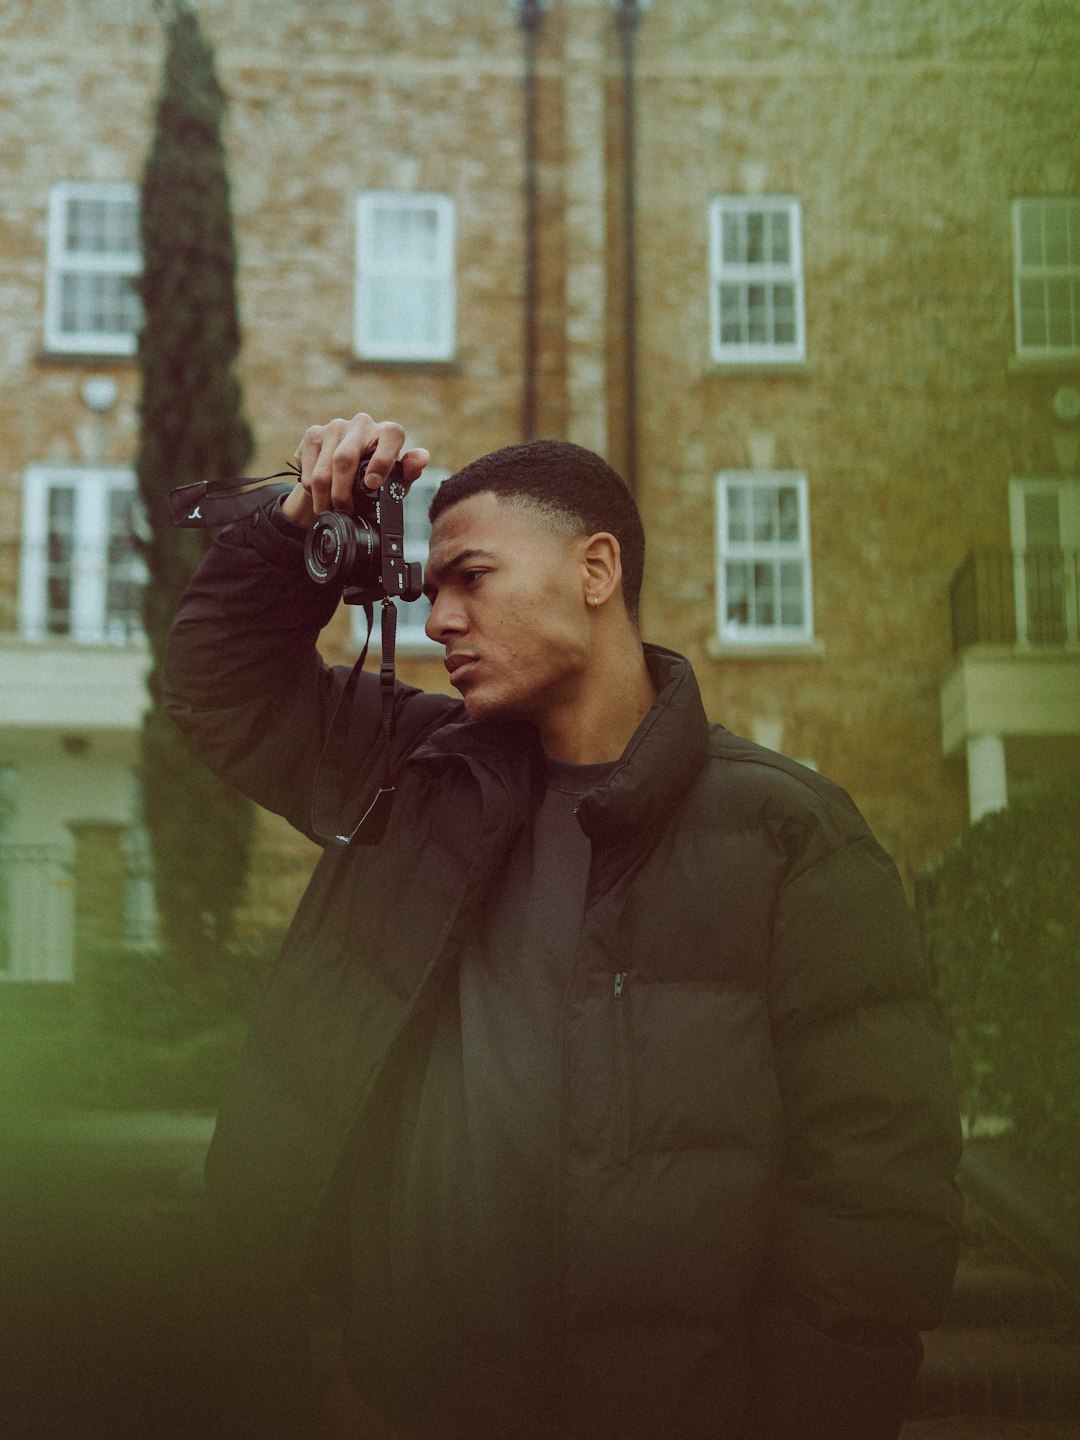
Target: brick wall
[906, 129]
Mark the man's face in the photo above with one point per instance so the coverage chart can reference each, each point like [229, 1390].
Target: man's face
[508, 603]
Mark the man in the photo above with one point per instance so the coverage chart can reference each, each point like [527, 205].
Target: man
[607, 1084]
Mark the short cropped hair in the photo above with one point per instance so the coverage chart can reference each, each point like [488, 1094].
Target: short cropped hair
[574, 489]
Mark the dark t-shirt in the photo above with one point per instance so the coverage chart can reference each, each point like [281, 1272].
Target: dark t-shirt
[459, 1279]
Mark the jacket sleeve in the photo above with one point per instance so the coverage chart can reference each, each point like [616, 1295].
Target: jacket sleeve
[866, 1239]
[245, 683]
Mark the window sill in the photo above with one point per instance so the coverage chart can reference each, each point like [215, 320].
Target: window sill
[442, 367]
[87, 359]
[1044, 364]
[718, 649]
[797, 369]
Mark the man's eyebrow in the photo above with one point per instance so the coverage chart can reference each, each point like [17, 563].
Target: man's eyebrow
[455, 563]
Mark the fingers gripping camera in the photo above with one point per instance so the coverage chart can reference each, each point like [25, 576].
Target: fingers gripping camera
[365, 551]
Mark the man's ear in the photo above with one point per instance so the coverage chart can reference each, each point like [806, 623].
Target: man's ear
[601, 568]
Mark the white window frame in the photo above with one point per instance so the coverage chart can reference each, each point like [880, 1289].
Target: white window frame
[1067, 274]
[372, 269]
[1066, 494]
[762, 552]
[412, 614]
[61, 262]
[89, 623]
[745, 274]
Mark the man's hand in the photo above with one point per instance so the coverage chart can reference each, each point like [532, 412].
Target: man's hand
[330, 455]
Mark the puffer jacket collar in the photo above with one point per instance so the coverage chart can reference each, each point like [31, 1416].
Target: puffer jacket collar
[622, 816]
[662, 758]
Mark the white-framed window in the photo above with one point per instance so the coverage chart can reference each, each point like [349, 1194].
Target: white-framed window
[405, 292]
[94, 259]
[80, 575]
[755, 280]
[763, 589]
[412, 615]
[1046, 275]
[1044, 523]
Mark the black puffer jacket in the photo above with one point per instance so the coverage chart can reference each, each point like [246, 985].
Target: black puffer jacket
[753, 1193]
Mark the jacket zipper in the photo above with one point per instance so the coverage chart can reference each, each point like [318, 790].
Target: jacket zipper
[622, 1069]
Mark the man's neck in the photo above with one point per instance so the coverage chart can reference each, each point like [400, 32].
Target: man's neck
[596, 726]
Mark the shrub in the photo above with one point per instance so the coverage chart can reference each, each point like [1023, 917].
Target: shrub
[1002, 924]
[154, 1037]
[192, 428]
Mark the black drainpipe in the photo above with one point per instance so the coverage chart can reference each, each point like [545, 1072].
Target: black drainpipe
[530, 13]
[627, 18]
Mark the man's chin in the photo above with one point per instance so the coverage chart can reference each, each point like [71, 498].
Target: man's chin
[481, 706]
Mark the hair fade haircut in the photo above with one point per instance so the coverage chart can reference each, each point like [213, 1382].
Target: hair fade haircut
[574, 489]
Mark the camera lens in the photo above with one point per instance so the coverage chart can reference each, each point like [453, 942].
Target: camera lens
[339, 549]
[327, 548]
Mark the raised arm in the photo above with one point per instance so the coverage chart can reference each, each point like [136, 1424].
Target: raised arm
[243, 678]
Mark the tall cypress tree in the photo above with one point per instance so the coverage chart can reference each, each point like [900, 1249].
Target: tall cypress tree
[192, 428]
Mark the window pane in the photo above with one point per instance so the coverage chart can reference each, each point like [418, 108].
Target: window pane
[787, 497]
[417, 526]
[731, 323]
[1042, 524]
[755, 237]
[60, 556]
[784, 314]
[1055, 235]
[737, 593]
[100, 304]
[791, 593]
[420, 239]
[382, 236]
[757, 317]
[101, 226]
[733, 238]
[764, 594]
[120, 508]
[403, 238]
[738, 518]
[404, 313]
[764, 512]
[1059, 312]
[1031, 248]
[1032, 312]
[780, 237]
[124, 570]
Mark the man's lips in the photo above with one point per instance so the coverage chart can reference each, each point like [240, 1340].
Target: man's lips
[456, 663]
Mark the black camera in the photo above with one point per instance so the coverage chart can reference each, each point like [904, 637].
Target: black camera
[365, 551]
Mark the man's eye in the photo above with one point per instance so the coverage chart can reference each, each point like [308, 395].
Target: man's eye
[470, 577]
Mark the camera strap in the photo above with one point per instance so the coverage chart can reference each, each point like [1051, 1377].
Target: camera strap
[220, 502]
[328, 808]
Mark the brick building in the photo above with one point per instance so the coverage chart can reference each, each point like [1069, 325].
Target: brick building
[847, 388]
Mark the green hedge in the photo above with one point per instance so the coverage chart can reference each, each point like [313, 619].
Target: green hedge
[1002, 927]
[151, 1036]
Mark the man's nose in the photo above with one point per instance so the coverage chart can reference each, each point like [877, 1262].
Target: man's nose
[444, 620]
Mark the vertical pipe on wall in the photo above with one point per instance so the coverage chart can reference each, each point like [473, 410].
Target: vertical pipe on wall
[627, 18]
[530, 13]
